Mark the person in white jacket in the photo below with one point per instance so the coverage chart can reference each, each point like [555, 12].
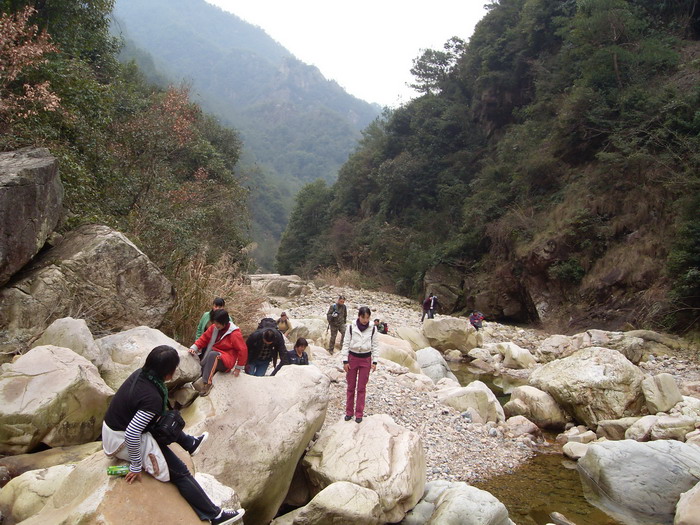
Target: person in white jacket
[360, 350]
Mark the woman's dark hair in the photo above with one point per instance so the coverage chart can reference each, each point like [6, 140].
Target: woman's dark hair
[364, 310]
[162, 361]
[218, 301]
[219, 316]
[301, 342]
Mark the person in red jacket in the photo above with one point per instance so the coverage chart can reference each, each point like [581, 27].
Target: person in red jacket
[220, 349]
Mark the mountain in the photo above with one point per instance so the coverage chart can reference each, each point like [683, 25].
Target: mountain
[296, 122]
[550, 173]
[296, 126]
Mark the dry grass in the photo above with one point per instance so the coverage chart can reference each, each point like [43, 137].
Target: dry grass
[339, 278]
[197, 283]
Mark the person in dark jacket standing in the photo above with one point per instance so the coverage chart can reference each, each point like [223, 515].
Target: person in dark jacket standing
[337, 315]
[298, 356]
[137, 405]
[426, 306]
[264, 345]
[433, 306]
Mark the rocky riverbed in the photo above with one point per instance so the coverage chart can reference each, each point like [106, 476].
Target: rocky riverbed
[456, 450]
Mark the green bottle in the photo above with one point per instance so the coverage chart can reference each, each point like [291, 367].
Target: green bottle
[118, 470]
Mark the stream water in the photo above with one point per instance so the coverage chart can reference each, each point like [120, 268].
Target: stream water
[547, 483]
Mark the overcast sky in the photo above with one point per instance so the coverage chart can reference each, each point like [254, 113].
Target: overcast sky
[367, 46]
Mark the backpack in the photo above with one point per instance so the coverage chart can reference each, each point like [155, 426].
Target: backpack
[267, 322]
[383, 328]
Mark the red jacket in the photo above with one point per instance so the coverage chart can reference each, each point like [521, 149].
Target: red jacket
[231, 346]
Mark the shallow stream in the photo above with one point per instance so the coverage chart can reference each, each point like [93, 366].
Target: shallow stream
[547, 483]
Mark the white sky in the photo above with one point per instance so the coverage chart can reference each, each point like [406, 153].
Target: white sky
[367, 46]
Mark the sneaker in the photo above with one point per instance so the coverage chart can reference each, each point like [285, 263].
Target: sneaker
[358, 420]
[348, 418]
[198, 385]
[228, 516]
[198, 443]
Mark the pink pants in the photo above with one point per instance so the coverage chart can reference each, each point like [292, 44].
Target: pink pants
[358, 374]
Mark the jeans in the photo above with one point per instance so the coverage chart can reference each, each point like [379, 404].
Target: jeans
[257, 368]
[181, 477]
[357, 378]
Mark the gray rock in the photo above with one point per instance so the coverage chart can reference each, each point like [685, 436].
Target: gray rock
[31, 205]
[661, 393]
[96, 271]
[433, 364]
[639, 481]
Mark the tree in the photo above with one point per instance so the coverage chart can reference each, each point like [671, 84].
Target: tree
[432, 67]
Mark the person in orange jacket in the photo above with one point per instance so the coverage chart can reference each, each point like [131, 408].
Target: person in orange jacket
[221, 348]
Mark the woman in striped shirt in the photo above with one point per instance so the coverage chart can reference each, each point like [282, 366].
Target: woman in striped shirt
[136, 406]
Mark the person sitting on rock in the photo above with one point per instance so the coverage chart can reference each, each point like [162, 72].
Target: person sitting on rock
[298, 356]
[284, 325]
[224, 350]
[264, 345]
[205, 321]
[381, 327]
[137, 405]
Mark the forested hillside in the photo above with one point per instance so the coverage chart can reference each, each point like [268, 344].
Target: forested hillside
[550, 172]
[296, 125]
[144, 160]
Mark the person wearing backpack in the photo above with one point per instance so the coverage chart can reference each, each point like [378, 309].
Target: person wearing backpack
[382, 328]
[265, 345]
[360, 350]
[337, 316]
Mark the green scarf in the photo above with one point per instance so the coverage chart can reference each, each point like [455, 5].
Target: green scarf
[148, 374]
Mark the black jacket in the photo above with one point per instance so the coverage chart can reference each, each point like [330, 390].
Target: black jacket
[293, 359]
[277, 348]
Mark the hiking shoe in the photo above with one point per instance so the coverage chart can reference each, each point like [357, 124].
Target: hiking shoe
[198, 443]
[348, 418]
[198, 385]
[358, 420]
[228, 516]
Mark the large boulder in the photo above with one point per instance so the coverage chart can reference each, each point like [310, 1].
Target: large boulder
[413, 336]
[672, 427]
[661, 393]
[377, 454]
[340, 502]
[89, 495]
[475, 396]
[21, 463]
[639, 482]
[50, 395]
[688, 508]
[536, 405]
[260, 427]
[31, 205]
[433, 364]
[314, 329]
[447, 283]
[515, 356]
[614, 429]
[593, 384]
[560, 346]
[74, 334]
[126, 351]
[456, 503]
[25, 495]
[276, 285]
[95, 269]
[448, 333]
[398, 351]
